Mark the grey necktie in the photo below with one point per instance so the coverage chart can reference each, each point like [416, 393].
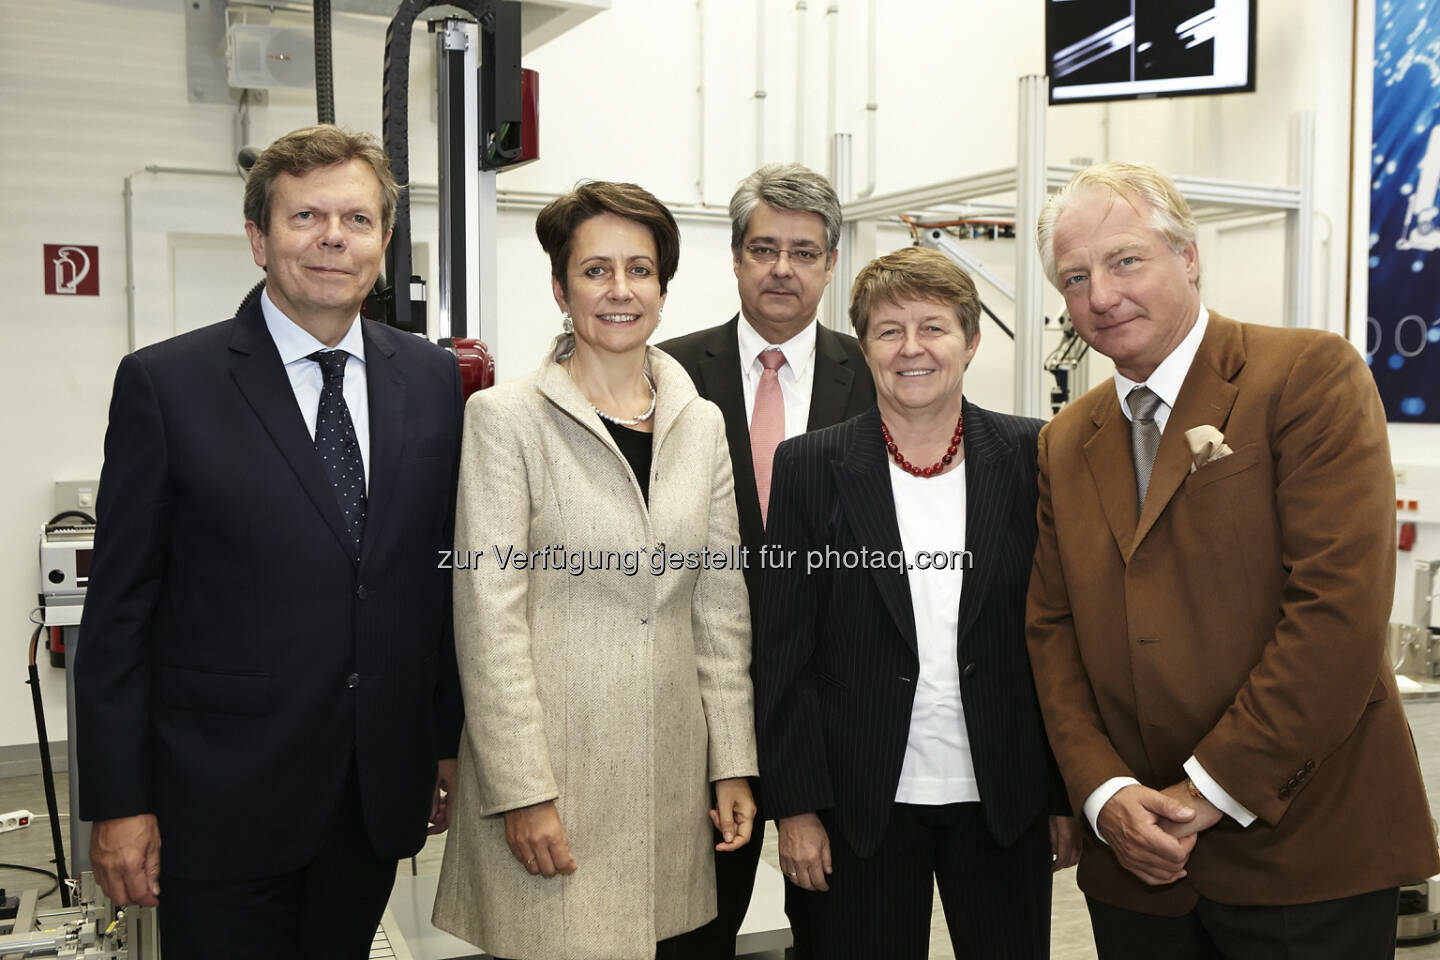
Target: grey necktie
[1144, 437]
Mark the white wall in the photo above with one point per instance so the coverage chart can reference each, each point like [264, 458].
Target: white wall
[93, 90]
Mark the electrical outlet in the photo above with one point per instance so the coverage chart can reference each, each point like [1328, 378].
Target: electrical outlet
[14, 820]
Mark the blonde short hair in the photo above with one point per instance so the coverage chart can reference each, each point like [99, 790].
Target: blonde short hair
[1136, 184]
[914, 273]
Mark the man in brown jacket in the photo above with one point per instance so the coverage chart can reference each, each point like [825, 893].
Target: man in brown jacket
[1208, 605]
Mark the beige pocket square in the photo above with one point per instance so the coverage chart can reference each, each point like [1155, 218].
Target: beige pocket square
[1206, 446]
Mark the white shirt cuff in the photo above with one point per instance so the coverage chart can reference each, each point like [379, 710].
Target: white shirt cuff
[1216, 794]
[1099, 797]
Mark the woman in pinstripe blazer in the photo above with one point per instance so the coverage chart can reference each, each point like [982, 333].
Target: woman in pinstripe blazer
[899, 734]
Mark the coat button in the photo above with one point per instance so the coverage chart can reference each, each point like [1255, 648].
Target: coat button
[1285, 792]
[1309, 766]
[969, 670]
[361, 592]
[352, 681]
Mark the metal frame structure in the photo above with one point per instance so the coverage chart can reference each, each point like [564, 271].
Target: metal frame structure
[1031, 180]
[467, 269]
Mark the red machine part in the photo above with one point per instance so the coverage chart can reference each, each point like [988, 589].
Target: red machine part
[529, 116]
[477, 367]
[1407, 536]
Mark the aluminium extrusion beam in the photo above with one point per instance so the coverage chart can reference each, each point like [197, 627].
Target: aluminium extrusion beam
[457, 42]
[937, 239]
[1031, 176]
[1300, 223]
[1218, 199]
[837, 316]
[947, 191]
[1211, 200]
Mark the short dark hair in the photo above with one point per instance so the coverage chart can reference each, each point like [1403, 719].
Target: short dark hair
[555, 226]
[310, 148]
[914, 273]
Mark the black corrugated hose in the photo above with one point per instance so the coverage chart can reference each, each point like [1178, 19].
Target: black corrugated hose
[47, 772]
[324, 77]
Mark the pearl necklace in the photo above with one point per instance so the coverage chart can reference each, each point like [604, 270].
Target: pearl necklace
[931, 471]
[622, 422]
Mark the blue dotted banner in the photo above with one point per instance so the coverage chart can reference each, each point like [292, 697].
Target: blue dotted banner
[1403, 330]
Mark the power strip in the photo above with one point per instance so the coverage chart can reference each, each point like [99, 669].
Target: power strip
[14, 820]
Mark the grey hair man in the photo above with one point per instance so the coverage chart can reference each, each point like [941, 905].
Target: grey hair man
[775, 372]
[1208, 607]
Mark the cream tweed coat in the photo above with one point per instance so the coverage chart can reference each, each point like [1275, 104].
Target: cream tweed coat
[621, 697]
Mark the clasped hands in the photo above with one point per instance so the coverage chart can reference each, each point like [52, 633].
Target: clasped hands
[1153, 831]
[537, 839]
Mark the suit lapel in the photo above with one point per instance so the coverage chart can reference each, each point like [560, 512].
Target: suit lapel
[385, 387]
[830, 388]
[862, 480]
[720, 384]
[987, 505]
[1112, 467]
[674, 392]
[256, 368]
[1206, 396]
[556, 386]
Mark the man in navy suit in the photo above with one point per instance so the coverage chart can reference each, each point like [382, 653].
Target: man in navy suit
[784, 237]
[266, 681]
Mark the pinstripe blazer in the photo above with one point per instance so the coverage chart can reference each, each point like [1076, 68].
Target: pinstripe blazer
[841, 389]
[835, 649]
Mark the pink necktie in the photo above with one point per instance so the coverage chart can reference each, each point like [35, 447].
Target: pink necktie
[767, 425]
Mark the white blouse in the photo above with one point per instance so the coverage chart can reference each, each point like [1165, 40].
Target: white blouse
[938, 767]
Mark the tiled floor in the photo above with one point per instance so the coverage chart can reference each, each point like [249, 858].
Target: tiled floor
[1070, 930]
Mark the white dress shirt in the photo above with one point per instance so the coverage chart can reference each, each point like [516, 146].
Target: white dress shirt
[1165, 383]
[938, 767]
[796, 377]
[295, 344]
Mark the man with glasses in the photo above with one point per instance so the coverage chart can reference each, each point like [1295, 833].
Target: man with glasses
[775, 373]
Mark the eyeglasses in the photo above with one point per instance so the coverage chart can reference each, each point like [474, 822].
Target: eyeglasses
[799, 256]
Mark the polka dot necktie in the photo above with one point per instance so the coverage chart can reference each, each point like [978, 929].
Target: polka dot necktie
[335, 442]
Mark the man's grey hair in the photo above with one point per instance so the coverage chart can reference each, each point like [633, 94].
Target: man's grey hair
[1135, 184]
[785, 186]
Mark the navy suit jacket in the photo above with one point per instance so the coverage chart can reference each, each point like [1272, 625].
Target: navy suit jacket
[235, 659]
[841, 389]
[836, 656]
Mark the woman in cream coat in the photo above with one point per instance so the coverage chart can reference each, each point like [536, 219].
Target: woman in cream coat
[601, 622]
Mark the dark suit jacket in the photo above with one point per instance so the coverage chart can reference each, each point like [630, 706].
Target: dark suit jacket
[835, 649]
[234, 656]
[1240, 617]
[842, 389]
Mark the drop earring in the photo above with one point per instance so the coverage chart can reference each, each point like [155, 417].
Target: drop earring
[566, 324]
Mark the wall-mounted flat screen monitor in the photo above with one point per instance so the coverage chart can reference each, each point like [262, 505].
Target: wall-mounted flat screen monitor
[1127, 49]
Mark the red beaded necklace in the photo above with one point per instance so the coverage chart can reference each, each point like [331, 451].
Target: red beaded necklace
[931, 471]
